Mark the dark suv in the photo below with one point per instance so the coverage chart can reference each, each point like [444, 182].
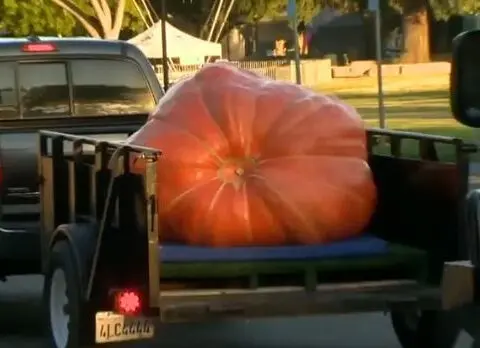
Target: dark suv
[78, 85]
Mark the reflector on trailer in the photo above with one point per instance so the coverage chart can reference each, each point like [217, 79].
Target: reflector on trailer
[39, 47]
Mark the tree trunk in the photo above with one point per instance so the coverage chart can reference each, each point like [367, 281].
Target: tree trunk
[79, 15]
[110, 34]
[109, 23]
[416, 31]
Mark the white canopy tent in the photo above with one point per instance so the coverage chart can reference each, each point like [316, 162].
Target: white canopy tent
[189, 49]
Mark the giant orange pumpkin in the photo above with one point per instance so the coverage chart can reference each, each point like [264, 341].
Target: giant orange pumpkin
[249, 161]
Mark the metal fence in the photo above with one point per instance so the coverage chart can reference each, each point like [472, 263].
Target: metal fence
[265, 68]
[315, 71]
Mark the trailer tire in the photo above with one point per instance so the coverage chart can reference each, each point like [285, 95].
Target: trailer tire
[66, 313]
[424, 329]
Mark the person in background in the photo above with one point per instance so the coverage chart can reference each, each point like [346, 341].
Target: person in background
[280, 48]
[309, 35]
[302, 38]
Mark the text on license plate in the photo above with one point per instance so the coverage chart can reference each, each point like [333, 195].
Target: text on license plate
[111, 327]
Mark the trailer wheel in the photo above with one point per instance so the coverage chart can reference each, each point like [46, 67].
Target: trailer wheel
[62, 301]
[424, 329]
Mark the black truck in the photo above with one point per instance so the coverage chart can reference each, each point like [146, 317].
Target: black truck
[78, 86]
[95, 237]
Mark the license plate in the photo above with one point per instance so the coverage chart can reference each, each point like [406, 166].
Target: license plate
[111, 327]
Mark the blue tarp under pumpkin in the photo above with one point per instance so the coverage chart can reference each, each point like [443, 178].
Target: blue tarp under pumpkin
[365, 245]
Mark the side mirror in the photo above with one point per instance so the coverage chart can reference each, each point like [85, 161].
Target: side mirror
[465, 78]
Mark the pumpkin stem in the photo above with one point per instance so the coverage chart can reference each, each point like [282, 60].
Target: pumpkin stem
[234, 171]
[239, 171]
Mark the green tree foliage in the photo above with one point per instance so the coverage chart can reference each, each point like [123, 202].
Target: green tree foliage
[188, 15]
[442, 9]
[195, 13]
[103, 18]
[306, 9]
[28, 17]
[198, 16]
[68, 17]
[416, 21]
[415, 16]
[252, 10]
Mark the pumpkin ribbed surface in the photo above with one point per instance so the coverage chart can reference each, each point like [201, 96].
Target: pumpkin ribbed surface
[250, 161]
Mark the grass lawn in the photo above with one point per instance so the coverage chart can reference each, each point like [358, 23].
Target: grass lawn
[414, 103]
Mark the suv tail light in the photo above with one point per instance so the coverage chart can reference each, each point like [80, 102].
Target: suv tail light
[128, 302]
[39, 47]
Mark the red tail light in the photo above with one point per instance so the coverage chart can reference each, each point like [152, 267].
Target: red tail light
[39, 47]
[128, 302]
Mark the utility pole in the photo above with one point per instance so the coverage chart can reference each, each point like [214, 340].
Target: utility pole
[292, 13]
[374, 6]
[163, 23]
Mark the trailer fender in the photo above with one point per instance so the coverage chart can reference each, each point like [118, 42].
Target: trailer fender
[82, 240]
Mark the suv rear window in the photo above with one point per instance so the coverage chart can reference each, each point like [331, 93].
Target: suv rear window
[94, 87]
[44, 89]
[8, 91]
[109, 87]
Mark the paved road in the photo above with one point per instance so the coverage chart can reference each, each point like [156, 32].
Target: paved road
[21, 325]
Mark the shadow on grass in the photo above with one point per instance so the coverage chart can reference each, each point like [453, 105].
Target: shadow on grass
[415, 105]
[404, 95]
[461, 132]
[414, 112]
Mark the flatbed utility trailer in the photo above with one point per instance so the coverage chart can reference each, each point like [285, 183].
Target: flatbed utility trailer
[107, 279]
[100, 247]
